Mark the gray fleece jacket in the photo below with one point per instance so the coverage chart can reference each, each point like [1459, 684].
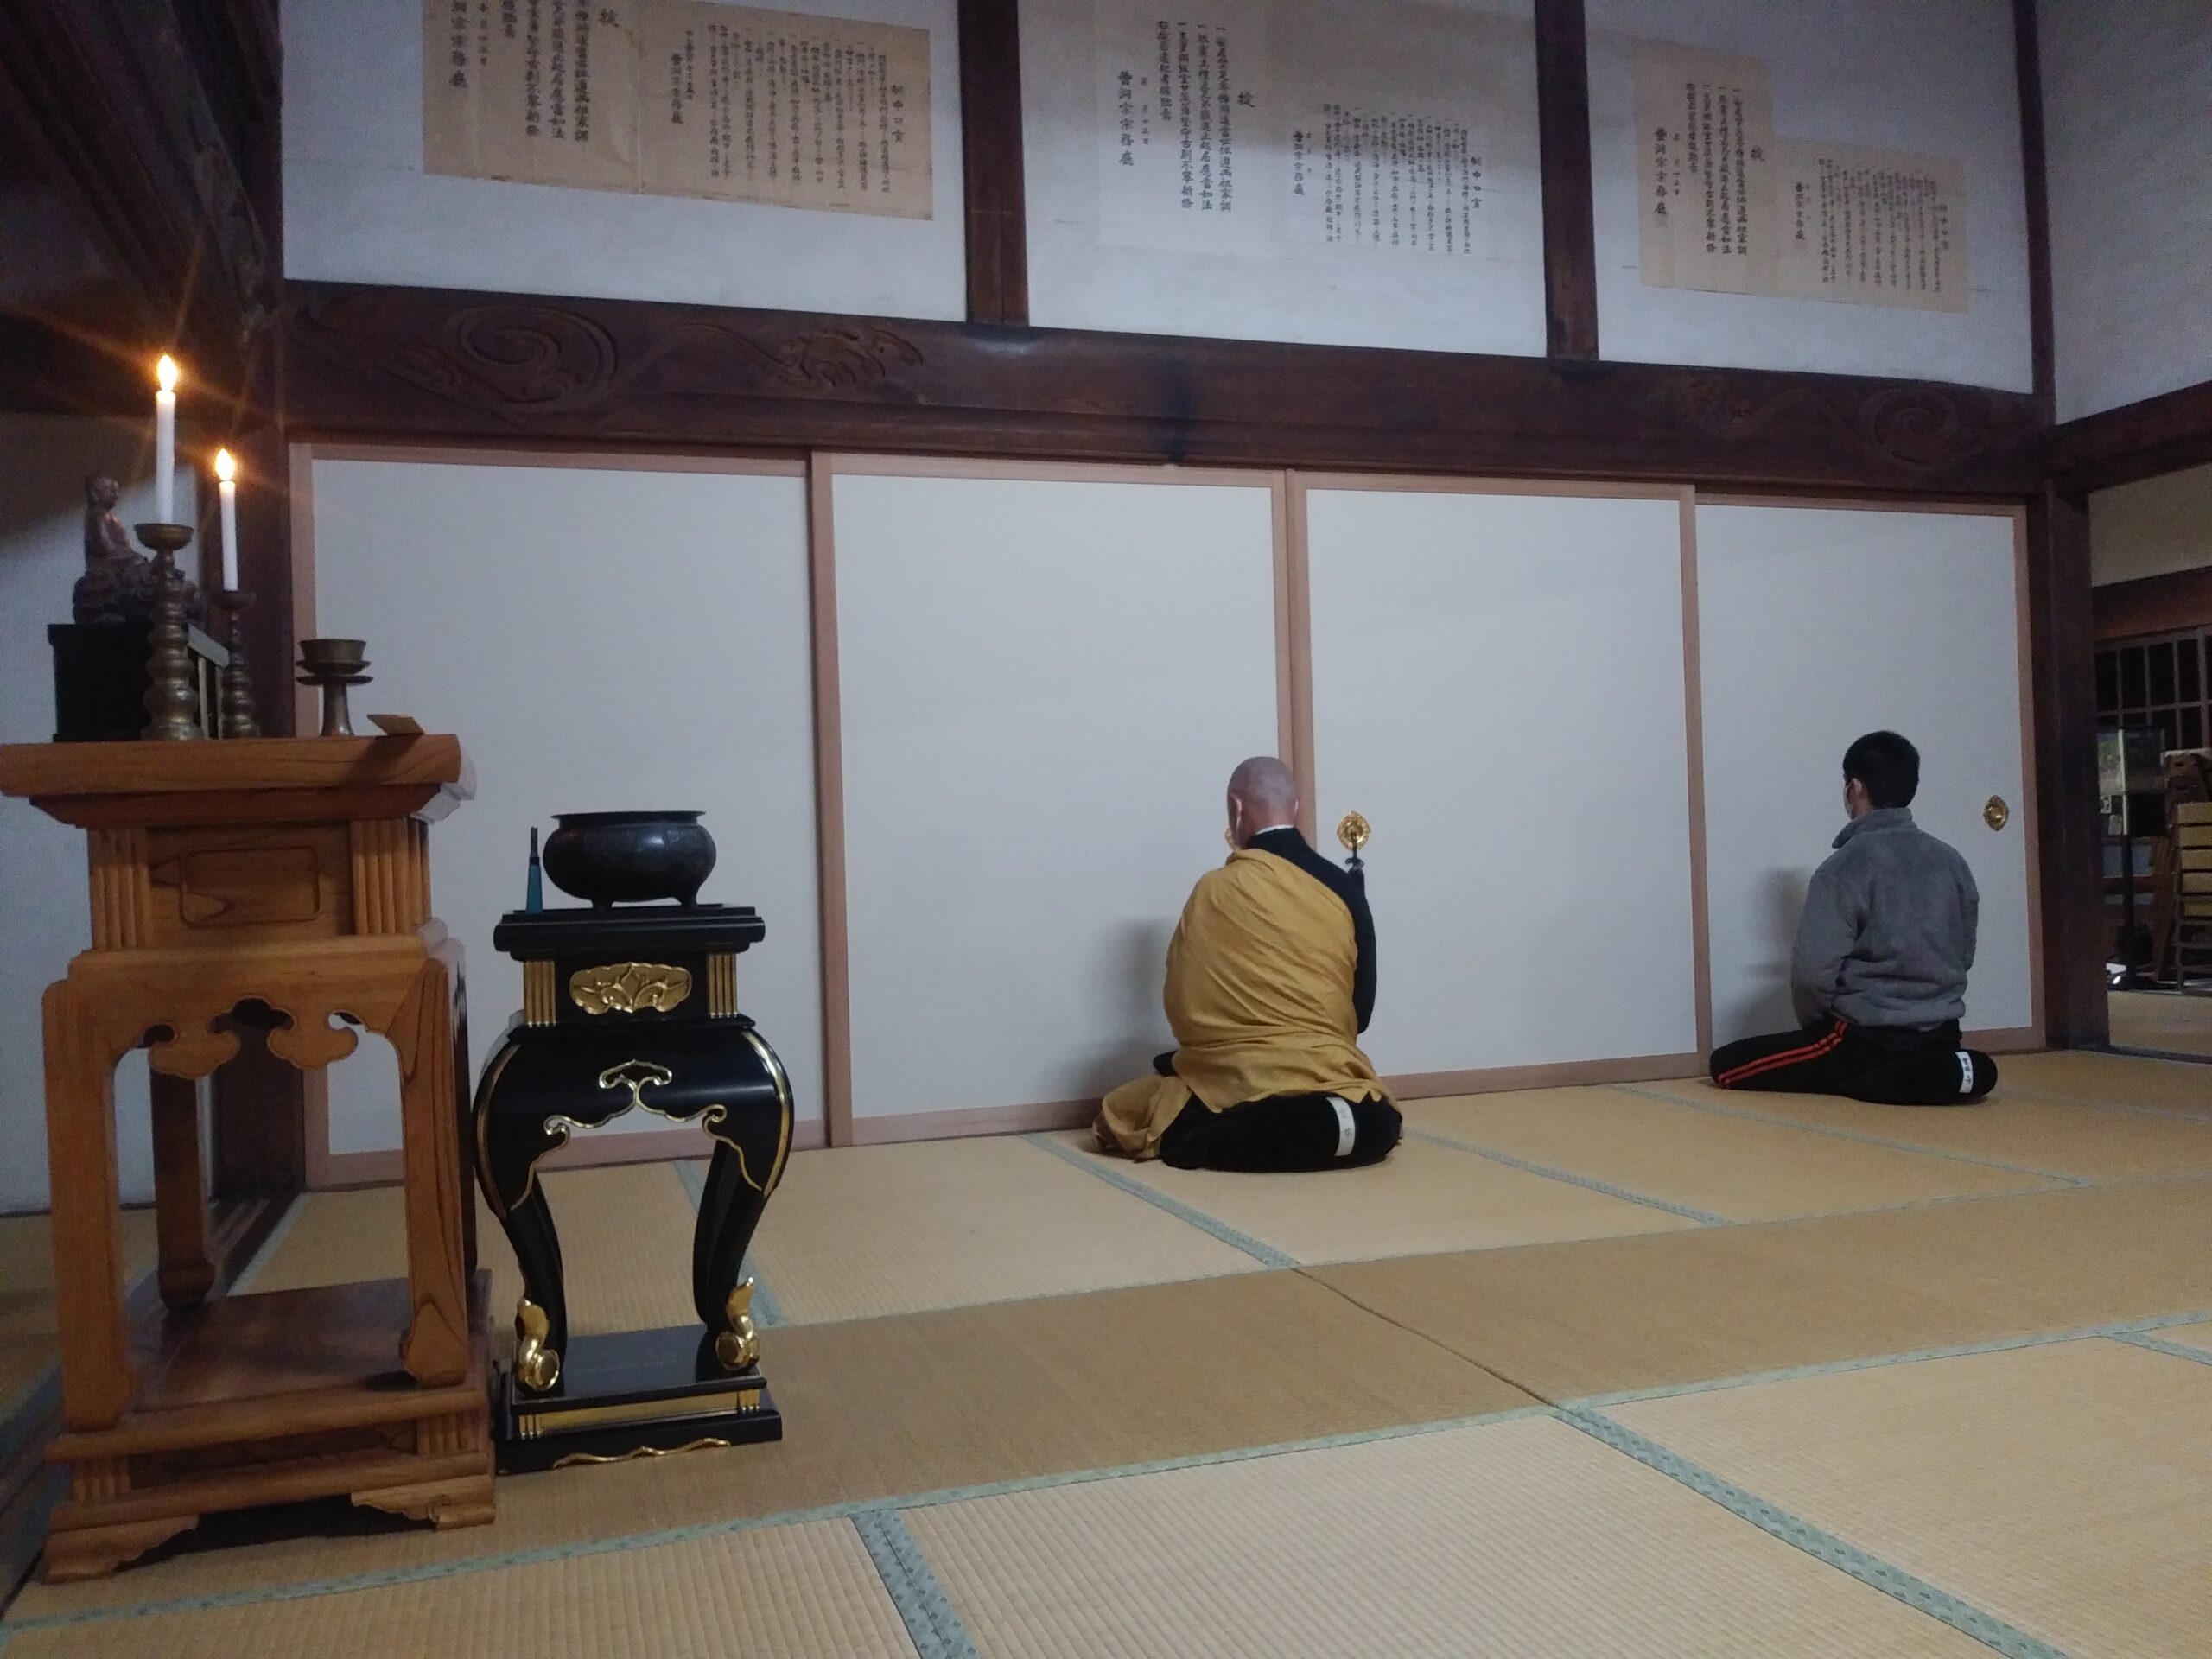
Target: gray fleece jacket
[1888, 932]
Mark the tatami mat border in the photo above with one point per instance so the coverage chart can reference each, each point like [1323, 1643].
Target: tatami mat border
[931, 1624]
[2160, 1346]
[25, 1409]
[2180, 1054]
[428, 1571]
[2119, 1330]
[1720, 1110]
[767, 1312]
[28, 1408]
[1527, 1166]
[294, 1209]
[1892, 1581]
[1582, 1412]
[1265, 1254]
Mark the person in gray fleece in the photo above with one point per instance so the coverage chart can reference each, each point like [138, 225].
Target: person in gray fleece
[1879, 972]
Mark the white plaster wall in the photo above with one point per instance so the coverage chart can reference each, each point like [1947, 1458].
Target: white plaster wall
[1449, 53]
[358, 207]
[2127, 105]
[1931, 76]
[600, 640]
[45, 915]
[2153, 528]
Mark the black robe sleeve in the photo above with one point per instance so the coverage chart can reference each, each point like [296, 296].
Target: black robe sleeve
[1363, 933]
[1350, 886]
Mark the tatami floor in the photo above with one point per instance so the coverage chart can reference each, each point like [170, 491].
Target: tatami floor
[1636, 1370]
[2163, 1021]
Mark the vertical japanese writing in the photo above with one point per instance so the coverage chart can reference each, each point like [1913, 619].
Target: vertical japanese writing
[1390, 180]
[557, 78]
[533, 75]
[457, 47]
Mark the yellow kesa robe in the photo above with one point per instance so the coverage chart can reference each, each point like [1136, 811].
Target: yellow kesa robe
[1259, 997]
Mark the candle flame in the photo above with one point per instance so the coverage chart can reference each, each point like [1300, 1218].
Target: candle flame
[226, 468]
[166, 372]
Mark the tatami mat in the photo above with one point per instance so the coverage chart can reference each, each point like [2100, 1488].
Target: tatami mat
[1523, 1540]
[790, 1593]
[864, 1231]
[626, 1246]
[880, 1408]
[1731, 1167]
[1611, 1315]
[2065, 1489]
[2086, 1142]
[27, 1345]
[2181, 1025]
[2110, 1080]
[2190, 1336]
[1423, 1199]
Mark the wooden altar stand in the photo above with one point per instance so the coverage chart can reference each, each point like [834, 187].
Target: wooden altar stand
[292, 872]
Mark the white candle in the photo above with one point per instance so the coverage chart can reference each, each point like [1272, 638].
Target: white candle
[165, 443]
[226, 471]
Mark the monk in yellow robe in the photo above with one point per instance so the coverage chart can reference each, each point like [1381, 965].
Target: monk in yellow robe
[1270, 981]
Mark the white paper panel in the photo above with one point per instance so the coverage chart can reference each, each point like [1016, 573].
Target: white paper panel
[1934, 78]
[2128, 105]
[1816, 626]
[1112, 247]
[1498, 686]
[601, 640]
[358, 207]
[45, 910]
[1044, 686]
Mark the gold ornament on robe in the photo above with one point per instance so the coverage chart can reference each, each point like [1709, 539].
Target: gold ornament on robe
[1352, 833]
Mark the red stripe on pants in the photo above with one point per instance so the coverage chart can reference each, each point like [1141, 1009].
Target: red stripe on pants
[1787, 1056]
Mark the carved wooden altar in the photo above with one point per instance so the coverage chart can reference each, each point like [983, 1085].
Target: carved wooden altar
[292, 873]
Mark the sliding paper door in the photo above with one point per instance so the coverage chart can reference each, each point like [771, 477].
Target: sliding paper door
[1819, 625]
[1044, 682]
[1499, 685]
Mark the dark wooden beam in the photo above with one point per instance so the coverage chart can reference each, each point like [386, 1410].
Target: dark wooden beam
[1563, 121]
[2070, 850]
[46, 369]
[2166, 434]
[2164, 604]
[2028, 62]
[445, 364]
[124, 123]
[990, 148]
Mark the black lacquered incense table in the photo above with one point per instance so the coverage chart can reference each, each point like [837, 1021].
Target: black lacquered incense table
[631, 1009]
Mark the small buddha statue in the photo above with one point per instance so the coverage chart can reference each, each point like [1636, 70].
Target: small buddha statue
[119, 584]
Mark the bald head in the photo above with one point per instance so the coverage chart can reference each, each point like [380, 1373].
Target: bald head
[1261, 795]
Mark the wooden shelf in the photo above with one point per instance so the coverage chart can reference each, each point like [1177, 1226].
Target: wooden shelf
[276, 1398]
[100, 786]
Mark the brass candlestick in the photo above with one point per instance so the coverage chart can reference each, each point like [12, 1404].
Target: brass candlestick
[237, 718]
[334, 665]
[171, 697]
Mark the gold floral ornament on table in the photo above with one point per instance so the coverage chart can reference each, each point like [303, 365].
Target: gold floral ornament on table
[630, 987]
